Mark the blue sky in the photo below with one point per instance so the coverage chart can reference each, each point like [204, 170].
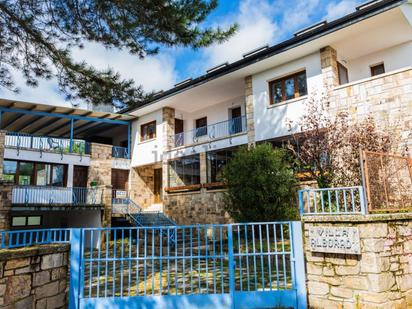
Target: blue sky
[260, 22]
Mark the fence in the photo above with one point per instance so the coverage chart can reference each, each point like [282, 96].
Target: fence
[210, 132]
[45, 195]
[388, 181]
[46, 143]
[236, 265]
[17, 239]
[332, 201]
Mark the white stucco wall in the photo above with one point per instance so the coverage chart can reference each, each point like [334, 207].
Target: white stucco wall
[394, 58]
[271, 121]
[147, 152]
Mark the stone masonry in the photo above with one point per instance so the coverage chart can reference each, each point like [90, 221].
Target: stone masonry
[250, 121]
[2, 143]
[142, 185]
[387, 97]
[5, 205]
[34, 277]
[380, 277]
[329, 66]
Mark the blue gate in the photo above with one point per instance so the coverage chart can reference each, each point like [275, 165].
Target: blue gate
[253, 265]
[256, 265]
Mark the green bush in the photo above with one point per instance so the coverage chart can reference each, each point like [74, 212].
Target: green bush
[261, 185]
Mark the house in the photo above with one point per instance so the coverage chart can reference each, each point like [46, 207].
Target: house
[181, 138]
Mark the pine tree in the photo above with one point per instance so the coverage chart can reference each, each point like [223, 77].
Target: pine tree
[36, 38]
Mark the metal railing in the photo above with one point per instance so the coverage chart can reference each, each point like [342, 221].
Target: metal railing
[25, 238]
[120, 152]
[210, 132]
[46, 143]
[45, 195]
[332, 201]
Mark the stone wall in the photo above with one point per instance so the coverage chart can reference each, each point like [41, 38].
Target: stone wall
[250, 121]
[142, 185]
[5, 205]
[203, 207]
[388, 97]
[2, 142]
[100, 169]
[34, 277]
[380, 277]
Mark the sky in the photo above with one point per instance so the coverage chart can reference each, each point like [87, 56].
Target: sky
[260, 22]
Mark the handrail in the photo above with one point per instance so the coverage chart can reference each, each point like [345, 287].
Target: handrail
[60, 145]
[16, 239]
[49, 195]
[332, 201]
[212, 131]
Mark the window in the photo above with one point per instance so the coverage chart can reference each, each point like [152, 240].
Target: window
[201, 127]
[148, 131]
[9, 170]
[25, 221]
[377, 69]
[343, 74]
[215, 162]
[33, 173]
[184, 171]
[287, 88]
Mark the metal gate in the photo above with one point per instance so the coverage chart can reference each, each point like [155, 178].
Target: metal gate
[254, 265]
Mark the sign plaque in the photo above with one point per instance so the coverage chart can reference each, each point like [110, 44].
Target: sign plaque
[334, 239]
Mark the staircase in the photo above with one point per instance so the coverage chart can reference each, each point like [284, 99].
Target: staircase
[140, 217]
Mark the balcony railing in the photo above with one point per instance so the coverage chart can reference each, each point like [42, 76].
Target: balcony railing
[120, 152]
[46, 143]
[45, 195]
[213, 131]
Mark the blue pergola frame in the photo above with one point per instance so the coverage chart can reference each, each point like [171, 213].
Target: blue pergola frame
[72, 118]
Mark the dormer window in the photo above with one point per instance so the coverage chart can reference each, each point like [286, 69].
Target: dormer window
[289, 87]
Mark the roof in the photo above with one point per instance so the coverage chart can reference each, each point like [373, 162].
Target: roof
[42, 119]
[311, 33]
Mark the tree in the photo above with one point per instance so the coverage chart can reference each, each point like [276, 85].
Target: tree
[328, 146]
[37, 36]
[261, 185]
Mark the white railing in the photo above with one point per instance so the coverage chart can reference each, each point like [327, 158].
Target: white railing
[45, 195]
[213, 131]
[332, 201]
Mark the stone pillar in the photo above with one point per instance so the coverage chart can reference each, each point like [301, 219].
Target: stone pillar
[107, 204]
[100, 169]
[203, 168]
[5, 205]
[168, 117]
[70, 171]
[2, 142]
[250, 122]
[329, 65]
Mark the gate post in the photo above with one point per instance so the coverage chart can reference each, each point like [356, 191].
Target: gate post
[231, 265]
[299, 265]
[75, 267]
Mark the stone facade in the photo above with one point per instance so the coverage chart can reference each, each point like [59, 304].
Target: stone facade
[250, 121]
[380, 277]
[387, 97]
[201, 207]
[100, 169]
[142, 185]
[34, 277]
[2, 143]
[5, 205]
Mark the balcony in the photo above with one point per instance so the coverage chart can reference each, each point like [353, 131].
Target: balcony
[46, 143]
[56, 196]
[120, 152]
[211, 132]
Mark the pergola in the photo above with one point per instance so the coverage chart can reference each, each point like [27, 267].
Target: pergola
[59, 121]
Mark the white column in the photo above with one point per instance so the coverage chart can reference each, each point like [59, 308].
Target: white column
[70, 175]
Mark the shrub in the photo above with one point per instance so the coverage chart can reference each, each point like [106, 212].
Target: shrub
[261, 185]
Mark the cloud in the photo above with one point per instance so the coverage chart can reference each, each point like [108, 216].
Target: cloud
[153, 73]
[256, 28]
[338, 9]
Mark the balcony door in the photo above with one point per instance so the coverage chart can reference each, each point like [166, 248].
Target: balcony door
[235, 124]
[157, 185]
[179, 136]
[80, 176]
